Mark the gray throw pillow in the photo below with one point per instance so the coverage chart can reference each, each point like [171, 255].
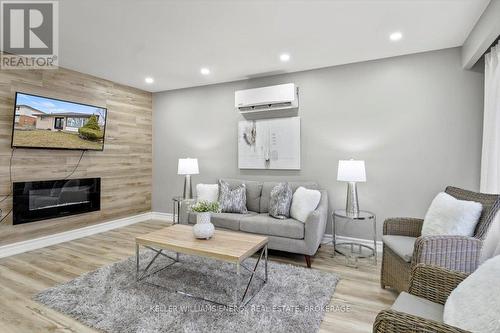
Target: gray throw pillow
[280, 201]
[233, 199]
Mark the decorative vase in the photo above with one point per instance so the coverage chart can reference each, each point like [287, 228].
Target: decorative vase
[203, 228]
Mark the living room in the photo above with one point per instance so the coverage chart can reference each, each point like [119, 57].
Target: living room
[276, 166]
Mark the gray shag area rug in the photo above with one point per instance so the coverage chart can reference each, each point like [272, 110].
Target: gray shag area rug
[110, 299]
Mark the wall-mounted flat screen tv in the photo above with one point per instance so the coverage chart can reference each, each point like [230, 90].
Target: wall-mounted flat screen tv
[42, 122]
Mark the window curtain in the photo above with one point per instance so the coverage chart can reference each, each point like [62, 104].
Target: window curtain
[490, 160]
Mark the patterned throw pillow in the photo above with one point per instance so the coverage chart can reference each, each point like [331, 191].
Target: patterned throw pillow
[233, 200]
[280, 201]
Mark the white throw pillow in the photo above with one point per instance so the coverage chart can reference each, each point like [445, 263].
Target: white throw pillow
[207, 192]
[450, 216]
[304, 202]
[475, 304]
[491, 244]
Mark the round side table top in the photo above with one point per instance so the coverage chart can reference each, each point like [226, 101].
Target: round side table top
[363, 214]
[181, 198]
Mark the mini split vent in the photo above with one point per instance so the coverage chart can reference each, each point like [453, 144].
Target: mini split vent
[266, 99]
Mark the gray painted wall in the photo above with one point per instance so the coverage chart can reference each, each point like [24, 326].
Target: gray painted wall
[416, 120]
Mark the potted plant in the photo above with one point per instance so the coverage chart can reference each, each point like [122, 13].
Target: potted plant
[203, 228]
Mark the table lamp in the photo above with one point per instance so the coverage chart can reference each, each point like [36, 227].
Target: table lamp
[351, 171]
[187, 167]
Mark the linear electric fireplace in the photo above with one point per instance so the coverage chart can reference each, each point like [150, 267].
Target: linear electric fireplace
[41, 200]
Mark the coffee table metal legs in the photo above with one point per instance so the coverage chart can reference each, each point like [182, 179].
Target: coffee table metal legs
[236, 299]
[238, 302]
[142, 275]
[265, 253]
[253, 272]
[137, 262]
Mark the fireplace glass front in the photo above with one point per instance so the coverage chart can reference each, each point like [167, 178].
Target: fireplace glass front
[40, 200]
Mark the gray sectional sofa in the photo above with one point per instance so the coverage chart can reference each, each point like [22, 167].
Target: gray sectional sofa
[285, 235]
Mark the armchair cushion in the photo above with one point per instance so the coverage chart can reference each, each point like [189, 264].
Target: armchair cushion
[401, 245]
[430, 286]
[450, 216]
[419, 307]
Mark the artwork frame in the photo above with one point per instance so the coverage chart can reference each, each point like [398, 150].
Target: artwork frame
[269, 144]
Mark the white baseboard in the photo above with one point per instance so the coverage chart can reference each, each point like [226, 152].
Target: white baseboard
[327, 239]
[37, 243]
[167, 217]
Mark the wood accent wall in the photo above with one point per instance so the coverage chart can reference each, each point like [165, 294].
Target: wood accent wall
[125, 165]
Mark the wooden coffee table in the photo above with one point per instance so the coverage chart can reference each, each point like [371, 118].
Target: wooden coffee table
[227, 246]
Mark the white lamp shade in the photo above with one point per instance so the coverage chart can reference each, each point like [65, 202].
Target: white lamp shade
[351, 171]
[188, 166]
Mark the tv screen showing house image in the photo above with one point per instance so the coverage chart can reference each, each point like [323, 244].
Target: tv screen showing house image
[41, 122]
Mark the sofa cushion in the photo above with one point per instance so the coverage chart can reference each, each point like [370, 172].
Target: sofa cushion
[281, 199]
[266, 225]
[304, 202]
[233, 199]
[253, 192]
[401, 245]
[223, 220]
[268, 186]
[207, 192]
[419, 307]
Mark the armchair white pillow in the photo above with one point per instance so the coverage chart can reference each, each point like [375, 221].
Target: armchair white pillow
[304, 202]
[491, 244]
[207, 192]
[450, 216]
[475, 304]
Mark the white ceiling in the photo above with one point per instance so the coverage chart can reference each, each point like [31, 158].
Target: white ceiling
[127, 40]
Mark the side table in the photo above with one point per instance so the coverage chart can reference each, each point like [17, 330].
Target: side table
[354, 250]
[177, 204]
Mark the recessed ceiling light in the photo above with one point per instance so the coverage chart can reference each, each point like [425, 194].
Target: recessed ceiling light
[284, 57]
[149, 80]
[395, 36]
[205, 71]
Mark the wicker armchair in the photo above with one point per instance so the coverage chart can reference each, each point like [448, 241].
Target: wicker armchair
[430, 283]
[456, 253]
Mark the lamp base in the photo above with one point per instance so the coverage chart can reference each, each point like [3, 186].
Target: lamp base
[188, 191]
[351, 206]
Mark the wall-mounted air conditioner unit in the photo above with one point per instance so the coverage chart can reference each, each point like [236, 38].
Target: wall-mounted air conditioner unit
[267, 99]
